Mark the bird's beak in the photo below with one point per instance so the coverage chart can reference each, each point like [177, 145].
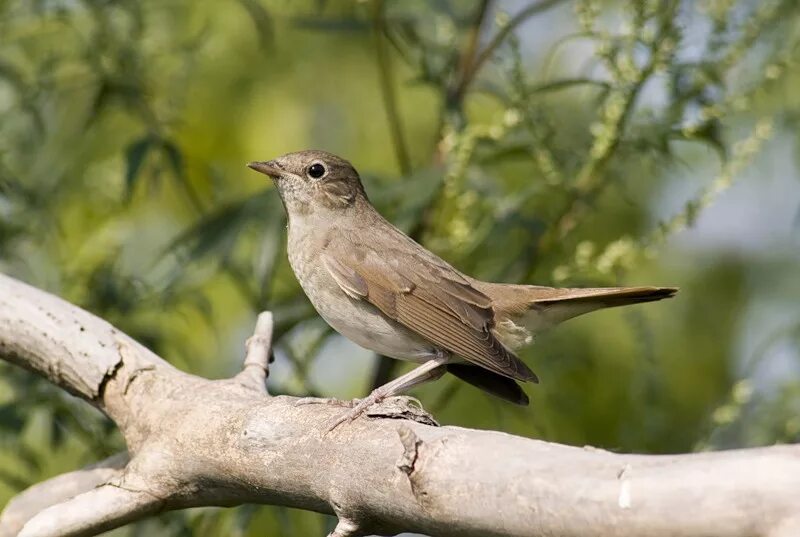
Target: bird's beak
[267, 168]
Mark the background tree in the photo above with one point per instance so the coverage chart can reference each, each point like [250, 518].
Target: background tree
[555, 142]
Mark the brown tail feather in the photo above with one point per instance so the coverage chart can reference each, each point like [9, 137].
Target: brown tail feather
[547, 308]
[522, 311]
[511, 300]
[606, 296]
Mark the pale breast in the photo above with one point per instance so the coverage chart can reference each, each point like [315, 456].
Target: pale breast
[355, 319]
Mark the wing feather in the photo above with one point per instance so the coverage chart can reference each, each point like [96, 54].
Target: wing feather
[429, 297]
[348, 279]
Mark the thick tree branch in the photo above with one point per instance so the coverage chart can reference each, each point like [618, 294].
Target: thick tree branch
[70, 347]
[196, 442]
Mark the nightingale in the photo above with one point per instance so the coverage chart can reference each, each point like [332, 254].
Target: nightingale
[387, 293]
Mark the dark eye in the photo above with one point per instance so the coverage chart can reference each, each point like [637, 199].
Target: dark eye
[316, 170]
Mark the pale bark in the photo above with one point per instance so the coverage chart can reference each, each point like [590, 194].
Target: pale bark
[196, 442]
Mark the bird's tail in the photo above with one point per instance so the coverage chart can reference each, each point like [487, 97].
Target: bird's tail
[522, 311]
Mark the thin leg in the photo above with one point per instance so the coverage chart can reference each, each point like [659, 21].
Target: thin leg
[430, 370]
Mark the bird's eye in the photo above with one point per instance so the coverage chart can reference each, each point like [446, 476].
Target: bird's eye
[316, 170]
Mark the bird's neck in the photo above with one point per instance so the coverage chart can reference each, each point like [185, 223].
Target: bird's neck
[324, 220]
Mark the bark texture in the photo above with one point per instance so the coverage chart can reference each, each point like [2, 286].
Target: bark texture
[198, 442]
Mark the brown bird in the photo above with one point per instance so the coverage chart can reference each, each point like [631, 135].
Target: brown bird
[379, 288]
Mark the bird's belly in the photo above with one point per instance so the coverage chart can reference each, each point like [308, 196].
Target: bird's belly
[372, 331]
[360, 321]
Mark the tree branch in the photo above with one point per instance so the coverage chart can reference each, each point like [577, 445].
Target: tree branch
[70, 347]
[197, 442]
[259, 355]
[91, 513]
[56, 490]
[472, 67]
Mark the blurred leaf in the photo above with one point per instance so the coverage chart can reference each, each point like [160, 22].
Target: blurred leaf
[29, 457]
[135, 155]
[57, 433]
[174, 156]
[320, 24]
[405, 198]
[10, 74]
[244, 515]
[262, 21]
[110, 290]
[110, 92]
[10, 419]
[217, 232]
[14, 481]
[709, 133]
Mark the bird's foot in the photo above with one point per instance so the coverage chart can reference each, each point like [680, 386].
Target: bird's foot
[375, 397]
[326, 401]
[380, 405]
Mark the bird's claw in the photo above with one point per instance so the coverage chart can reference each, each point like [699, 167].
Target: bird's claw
[354, 412]
[357, 407]
[347, 417]
[326, 401]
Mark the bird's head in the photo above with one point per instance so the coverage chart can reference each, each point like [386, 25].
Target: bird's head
[312, 180]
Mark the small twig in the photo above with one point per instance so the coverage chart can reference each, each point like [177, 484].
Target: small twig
[472, 68]
[346, 528]
[591, 179]
[467, 61]
[384, 59]
[255, 370]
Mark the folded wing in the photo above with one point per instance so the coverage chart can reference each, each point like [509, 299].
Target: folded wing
[426, 295]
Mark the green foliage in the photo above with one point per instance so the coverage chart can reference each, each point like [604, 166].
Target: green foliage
[544, 145]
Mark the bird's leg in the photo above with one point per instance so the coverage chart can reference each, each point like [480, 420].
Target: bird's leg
[430, 370]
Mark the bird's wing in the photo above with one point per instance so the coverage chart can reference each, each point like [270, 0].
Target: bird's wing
[423, 293]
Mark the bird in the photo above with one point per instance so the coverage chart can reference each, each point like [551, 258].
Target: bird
[387, 293]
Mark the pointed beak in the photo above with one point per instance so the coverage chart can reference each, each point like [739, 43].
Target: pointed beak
[269, 167]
